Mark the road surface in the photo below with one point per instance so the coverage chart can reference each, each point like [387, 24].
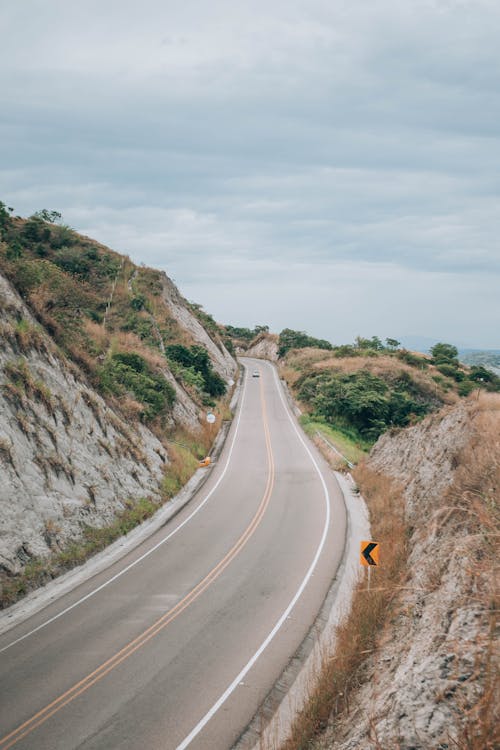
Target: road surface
[178, 643]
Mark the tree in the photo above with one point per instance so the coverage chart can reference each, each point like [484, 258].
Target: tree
[35, 231]
[290, 339]
[5, 219]
[444, 353]
[51, 216]
[393, 343]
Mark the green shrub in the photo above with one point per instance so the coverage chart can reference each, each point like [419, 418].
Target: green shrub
[72, 260]
[451, 371]
[290, 339]
[142, 327]
[35, 230]
[61, 236]
[128, 371]
[363, 401]
[465, 387]
[442, 352]
[414, 360]
[14, 250]
[138, 302]
[196, 357]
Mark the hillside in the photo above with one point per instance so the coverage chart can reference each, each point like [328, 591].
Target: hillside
[106, 375]
[364, 389]
[415, 664]
[429, 677]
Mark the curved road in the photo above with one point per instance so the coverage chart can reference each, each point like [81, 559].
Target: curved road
[178, 643]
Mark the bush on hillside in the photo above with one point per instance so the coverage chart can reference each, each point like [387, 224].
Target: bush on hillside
[196, 357]
[128, 371]
[444, 353]
[451, 371]
[363, 400]
[290, 339]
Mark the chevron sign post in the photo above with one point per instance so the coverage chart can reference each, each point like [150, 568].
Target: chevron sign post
[369, 553]
[369, 557]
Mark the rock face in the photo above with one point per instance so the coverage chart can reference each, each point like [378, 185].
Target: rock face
[222, 361]
[184, 412]
[66, 458]
[431, 671]
[264, 346]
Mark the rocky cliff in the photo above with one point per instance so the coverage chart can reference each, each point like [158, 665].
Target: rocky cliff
[432, 679]
[66, 458]
[264, 346]
[223, 362]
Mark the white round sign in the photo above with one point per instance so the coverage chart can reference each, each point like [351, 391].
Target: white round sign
[210, 418]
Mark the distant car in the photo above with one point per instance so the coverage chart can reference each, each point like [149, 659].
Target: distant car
[255, 374]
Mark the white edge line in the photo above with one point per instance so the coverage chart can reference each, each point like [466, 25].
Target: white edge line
[204, 721]
[146, 554]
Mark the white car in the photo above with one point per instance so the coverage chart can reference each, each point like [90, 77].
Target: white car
[255, 374]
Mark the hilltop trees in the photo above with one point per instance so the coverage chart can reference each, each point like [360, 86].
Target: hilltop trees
[444, 354]
[290, 339]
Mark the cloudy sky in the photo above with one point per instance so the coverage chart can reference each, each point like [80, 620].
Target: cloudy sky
[326, 165]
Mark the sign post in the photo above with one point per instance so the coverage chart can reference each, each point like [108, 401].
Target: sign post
[369, 557]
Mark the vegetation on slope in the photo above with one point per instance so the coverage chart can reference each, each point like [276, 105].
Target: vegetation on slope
[367, 387]
[107, 315]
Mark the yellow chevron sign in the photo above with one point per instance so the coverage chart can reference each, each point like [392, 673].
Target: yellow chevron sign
[369, 553]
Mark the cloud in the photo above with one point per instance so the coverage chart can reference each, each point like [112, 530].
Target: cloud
[224, 141]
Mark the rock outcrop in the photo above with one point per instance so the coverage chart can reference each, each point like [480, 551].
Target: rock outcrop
[431, 681]
[265, 346]
[66, 458]
[222, 362]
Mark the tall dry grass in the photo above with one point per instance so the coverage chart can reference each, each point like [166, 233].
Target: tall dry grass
[473, 508]
[342, 672]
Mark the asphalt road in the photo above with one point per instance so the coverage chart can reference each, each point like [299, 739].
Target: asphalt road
[181, 648]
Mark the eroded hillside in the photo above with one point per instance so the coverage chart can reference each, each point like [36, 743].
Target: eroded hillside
[106, 376]
[416, 665]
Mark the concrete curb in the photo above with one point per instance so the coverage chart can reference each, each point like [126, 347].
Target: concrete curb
[40, 598]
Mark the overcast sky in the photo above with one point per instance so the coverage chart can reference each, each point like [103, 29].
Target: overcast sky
[326, 165]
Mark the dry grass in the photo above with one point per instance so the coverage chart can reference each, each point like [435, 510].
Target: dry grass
[475, 511]
[130, 343]
[181, 467]
[98, 335]
[343, 671]
[6, 451]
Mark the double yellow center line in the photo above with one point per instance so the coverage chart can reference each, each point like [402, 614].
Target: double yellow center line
[83, 685]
